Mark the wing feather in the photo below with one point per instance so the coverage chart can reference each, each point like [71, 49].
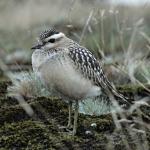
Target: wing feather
[90, 68]
[85, 61]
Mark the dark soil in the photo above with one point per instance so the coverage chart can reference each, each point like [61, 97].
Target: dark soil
[41, 130]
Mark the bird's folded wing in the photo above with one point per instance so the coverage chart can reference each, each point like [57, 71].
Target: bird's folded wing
[87, 64]
[90, 68]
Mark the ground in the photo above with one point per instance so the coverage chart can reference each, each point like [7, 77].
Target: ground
[118, 35]
[41, 130]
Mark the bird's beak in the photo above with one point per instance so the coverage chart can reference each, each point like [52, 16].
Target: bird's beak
[37, 46]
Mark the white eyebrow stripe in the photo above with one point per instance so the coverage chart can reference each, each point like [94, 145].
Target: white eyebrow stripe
[56, 36]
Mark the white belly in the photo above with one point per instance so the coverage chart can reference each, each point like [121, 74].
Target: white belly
[62, 75]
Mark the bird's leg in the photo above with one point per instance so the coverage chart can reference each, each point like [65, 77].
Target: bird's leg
[69, 117]
[69, 125]
[75, 117]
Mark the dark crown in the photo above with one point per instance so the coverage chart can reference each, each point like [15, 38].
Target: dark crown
[47, 33]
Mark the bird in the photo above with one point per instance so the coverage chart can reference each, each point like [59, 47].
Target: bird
[71, 70]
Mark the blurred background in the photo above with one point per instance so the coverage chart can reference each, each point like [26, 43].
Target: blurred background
[116, 31]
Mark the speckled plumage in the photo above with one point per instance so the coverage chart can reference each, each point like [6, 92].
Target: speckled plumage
[86, 62]
[47, 33]
[71, 69]
[90, 68]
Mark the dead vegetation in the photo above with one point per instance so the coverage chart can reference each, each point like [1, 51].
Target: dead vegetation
[117, 35]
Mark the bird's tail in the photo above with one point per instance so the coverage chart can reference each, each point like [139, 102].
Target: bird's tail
[125, 102]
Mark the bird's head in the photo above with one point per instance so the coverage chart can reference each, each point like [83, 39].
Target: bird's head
[50, 39]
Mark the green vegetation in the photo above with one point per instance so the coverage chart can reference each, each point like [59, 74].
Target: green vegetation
[41, 130]
[118, 35]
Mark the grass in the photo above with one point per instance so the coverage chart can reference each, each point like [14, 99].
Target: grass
[119, 36]
[109, 33]
[18, 129]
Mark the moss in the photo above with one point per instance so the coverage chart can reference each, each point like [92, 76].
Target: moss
[36, 135]
[7, 101]
[28, 134]
[48, 105]
[133, 88]
[2, 76]
[143, 112]
[103, 123]
[3, 87]
[41, 130]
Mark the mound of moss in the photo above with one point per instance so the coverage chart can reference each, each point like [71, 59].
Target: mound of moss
[41, 130]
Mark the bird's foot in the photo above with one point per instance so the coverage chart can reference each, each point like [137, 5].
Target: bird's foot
[67, 129]
[69, 126]
[70, 132]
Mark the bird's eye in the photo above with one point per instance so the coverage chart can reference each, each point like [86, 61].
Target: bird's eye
[51, 40]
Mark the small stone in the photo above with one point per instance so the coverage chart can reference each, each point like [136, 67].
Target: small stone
[93, 125]
[88, 132]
